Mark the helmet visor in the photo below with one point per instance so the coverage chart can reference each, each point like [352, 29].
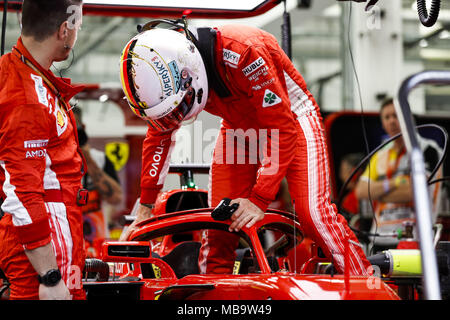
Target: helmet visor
[175, 116]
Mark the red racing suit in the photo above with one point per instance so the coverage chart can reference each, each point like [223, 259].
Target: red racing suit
[268, 99]
[40, 174]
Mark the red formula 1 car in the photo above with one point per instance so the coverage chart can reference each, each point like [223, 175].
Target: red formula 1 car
[273, 261]
[162, 264]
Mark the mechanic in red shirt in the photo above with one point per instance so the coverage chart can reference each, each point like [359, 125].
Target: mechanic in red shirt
[41, 165]
[242, 75]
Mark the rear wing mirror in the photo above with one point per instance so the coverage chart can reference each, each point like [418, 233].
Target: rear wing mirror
[135, 252]
[125, 251]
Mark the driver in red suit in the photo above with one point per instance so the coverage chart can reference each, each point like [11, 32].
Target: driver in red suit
[257, 91]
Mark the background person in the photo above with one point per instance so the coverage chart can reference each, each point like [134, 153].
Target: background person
[41, 164]
[104, 189]
[386, 180]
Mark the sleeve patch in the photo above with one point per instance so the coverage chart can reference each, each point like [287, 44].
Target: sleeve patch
[270, 99]
[231, 58]
[41, 91]
[252, 67]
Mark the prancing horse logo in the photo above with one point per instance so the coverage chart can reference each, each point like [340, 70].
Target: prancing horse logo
[118, 153]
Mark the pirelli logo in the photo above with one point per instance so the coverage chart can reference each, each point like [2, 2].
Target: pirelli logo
[252, 67]
[31, 144]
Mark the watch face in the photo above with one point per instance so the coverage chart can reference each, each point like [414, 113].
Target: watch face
[54, 277]
[51, 278]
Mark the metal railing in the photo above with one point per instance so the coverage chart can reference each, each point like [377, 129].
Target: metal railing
[421, 194]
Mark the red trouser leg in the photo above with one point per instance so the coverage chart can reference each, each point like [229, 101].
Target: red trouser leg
[69, 254]
[227, 180]
[308, 180]
[15, 264]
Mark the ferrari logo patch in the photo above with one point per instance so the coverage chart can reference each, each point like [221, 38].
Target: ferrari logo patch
[60, 119]
[270, 99]
[118, 153]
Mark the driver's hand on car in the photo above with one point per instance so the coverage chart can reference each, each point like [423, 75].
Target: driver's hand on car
[247, 214]
[143, 213]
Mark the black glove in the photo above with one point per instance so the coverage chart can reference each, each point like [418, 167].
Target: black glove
[224, 211]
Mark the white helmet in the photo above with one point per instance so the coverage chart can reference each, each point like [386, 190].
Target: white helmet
[164, 78]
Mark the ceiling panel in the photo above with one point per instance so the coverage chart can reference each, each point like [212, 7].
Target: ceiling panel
[170, 8]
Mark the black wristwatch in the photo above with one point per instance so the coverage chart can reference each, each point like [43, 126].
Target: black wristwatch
[51, 278]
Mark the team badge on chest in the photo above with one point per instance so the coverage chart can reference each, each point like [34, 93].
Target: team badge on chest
[61, 118]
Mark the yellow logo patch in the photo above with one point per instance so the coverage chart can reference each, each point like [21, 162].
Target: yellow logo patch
[118, 153]
[60, 119]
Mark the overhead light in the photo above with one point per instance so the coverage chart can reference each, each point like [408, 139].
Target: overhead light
[332, 11]
[444, 35]
[435, 54]
[423, 43]
[103, 98]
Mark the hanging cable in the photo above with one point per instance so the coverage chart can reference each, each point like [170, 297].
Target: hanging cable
[65, 68]
[286, 32]
[363, 124]
[5, 13]
[428, 19]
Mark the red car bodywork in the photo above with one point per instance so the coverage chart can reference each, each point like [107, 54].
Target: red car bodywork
[261, 284]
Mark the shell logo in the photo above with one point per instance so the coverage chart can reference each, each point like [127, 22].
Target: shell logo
[60, 119]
